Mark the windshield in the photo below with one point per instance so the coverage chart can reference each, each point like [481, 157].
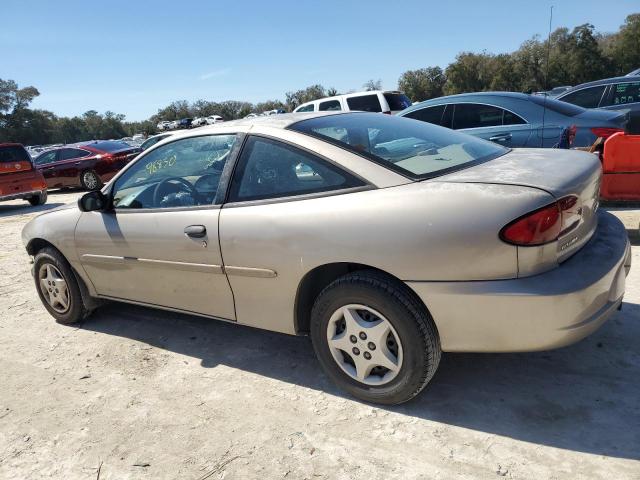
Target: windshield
[13, 153]
[415, 149]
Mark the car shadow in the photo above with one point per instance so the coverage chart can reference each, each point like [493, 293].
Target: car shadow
[581, 398]
[22, 209]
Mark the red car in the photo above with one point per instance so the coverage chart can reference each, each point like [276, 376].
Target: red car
[88, 165]
[18, 177]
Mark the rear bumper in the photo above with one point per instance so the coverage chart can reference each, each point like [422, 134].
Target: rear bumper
[542, 312]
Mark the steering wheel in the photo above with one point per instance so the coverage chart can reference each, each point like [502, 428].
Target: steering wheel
[157, 192]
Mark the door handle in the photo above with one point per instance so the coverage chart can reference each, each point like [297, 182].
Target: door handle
[195, 231]
[503, 137]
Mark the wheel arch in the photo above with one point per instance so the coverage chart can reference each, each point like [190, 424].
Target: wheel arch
[37, 244]
[315, 280]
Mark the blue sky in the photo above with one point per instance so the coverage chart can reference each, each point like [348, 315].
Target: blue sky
[134, 57]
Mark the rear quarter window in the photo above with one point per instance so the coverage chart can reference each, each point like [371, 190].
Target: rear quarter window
[365, 103]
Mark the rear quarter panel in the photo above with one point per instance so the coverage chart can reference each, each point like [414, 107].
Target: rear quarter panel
[420, 231]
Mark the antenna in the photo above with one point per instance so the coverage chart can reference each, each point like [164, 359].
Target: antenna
[546, 77]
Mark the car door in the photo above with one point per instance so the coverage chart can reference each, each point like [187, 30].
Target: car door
[46, 164]
[491, 123]
[158, 245]
[274, 191]
[69, 166]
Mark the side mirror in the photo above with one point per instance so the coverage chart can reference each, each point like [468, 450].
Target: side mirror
[93, 201]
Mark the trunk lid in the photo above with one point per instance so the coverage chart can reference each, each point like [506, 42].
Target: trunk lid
[559, 172]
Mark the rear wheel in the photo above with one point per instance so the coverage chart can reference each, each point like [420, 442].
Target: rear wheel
[39, 199]
[57, 287]
[374, 339]
[90, 180]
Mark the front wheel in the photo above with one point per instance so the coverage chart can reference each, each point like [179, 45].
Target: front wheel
[39, 199]
[57, 287]
[90, 180]
[374, 339]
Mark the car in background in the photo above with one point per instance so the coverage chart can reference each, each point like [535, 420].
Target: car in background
[619, 93]
[185, 123]
[19, 179]
[252, 115]
[443, 242]
[173, 124]
[554, 92]
[369, 101]
[198, 122]
[87, 165]
[151, 141]
[517, 119]
[164, 125]
[213, 119]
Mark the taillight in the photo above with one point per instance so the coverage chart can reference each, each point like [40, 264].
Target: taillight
[543, 225]
[571, 134]
[605, 132]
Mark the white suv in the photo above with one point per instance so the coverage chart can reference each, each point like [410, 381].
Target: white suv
[372, 101]
[213, 119]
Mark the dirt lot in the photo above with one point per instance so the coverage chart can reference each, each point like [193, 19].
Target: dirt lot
[136, 393]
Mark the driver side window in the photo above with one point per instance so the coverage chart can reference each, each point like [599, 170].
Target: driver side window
[183, 173]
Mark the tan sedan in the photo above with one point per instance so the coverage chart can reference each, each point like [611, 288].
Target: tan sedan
[386, 239]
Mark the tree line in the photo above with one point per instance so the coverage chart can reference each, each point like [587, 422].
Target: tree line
[574, 57]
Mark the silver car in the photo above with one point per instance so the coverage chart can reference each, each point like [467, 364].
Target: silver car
[386, 239]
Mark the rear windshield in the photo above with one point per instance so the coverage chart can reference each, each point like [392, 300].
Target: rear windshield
[13, 153]
[397, 101]
[109, 145]
[558, 106]
[415, 149]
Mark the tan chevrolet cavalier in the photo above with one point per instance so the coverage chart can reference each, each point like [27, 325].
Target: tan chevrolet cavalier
[388, 240]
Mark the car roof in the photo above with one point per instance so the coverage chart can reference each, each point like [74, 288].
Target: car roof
[281, 120]
[604, 81]
[349, 95]
[468, 96]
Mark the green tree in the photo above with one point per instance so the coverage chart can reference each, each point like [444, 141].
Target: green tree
[626, 48]
[314, 92]
[423, 83]
[471, 72]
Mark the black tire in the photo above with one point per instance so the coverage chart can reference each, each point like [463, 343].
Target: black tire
[413, 324]
[76, 310]
[39, 199]
[92, 181]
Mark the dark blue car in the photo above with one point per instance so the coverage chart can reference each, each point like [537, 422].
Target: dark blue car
[620, 93]
[517, 119]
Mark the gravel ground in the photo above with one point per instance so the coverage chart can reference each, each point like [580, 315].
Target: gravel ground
[136, 393]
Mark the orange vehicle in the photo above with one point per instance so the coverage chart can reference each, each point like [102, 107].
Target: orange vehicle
[18, 177]
[621, 167]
